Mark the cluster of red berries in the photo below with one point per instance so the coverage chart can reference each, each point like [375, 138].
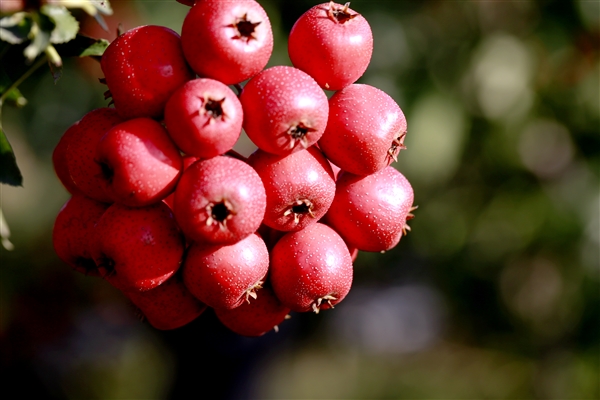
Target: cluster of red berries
[252, 237]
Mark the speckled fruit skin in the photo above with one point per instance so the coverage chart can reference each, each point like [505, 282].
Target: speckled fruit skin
[187, 162]
[334, 51]
[59, 158]
[370, 212]
[138, 248]
[364, 123]
[213, 45]
[85, 171]
[255, 318]
[310, 266]
[226, 276]
[285, 110]
[73, 232]
[168, 306]
[303, 176]
[193, 127]
[217, 181]
[140, 162]
[142, 68]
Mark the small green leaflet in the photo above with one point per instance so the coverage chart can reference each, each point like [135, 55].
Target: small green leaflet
[15, 28]
[83, 46]
[65, 25]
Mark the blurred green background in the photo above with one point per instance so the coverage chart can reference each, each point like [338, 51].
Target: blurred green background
[494, 294]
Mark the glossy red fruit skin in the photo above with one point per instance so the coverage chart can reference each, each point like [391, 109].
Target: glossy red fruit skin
[334, 53]
[370, 212]
[85, 172]
[365, 130]
[59, 158]
[226, 276]
[213, 45]
[73, 232]
[311, 269]
[255, 318]
[285, 110]
[138, 248]
[142, 68]
[168, 306]
[193, 127]
[140, 162]
[301, 181]
[224, 182]
[187, 161]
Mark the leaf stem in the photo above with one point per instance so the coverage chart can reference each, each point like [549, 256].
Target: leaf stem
[20, 80]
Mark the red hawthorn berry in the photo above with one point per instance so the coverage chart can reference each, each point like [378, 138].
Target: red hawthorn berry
[204, 118]
[365, 130]
[73, 232]
[285, 110]
[140, 163]
[256, 317]
[85, 172]
[142, 68]
[332, 43]
[229, 41]
[137, 248]
[226, 276]
[220, 201]
[311, 269]
[370, 212]
[168, 306]
[299, 187]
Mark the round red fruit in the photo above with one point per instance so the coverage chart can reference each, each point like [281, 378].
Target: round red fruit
[311, 269]
[168, 306]
[140, 163]
[229, 41]
[204, 118]
[226, 276]
[365, 131]
[73, 232]
[85, 172]
[59, 158]
[220, 201]
[299, 187]
[142, 68]
[332, 43]
[137, 248]
[284, 110]
[256, 317]
[370, 212]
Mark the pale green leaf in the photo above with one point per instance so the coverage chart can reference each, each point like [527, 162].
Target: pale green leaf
[15, 28]
[65, 25]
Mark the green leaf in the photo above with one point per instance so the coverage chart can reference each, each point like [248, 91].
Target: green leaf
[15, 28]
[65, 25]
[9, 171]
[82, 46]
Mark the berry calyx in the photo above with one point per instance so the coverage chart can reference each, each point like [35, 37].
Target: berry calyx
[246, 29]
[338, 14]
[300, 208]
[213, 109]
[219, 213]
[397, 145]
